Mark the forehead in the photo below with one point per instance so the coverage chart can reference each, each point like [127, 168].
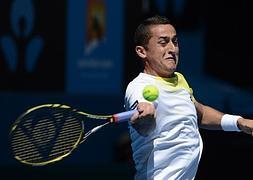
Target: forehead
[163, 30]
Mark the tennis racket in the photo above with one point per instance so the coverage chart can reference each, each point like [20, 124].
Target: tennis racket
[48, 133]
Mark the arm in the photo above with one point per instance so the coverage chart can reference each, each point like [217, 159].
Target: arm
[143, 121]
[210, 118]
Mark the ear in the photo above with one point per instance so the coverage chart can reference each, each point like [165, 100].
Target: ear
[141, 51]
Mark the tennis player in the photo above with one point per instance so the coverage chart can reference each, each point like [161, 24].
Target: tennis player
[166, 142]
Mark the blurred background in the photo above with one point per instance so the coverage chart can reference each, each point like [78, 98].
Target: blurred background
[80, 53]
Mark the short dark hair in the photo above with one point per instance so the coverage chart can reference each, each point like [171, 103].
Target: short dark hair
[142, 33]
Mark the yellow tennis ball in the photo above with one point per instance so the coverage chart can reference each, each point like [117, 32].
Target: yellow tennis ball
[150, 92]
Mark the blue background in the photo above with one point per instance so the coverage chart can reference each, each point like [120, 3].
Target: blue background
[213, 53]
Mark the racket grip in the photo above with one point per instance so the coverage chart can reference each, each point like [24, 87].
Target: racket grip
[123, 116]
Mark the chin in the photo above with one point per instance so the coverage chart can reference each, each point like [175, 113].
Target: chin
[172, 69]
[168, 74]
[171, 72]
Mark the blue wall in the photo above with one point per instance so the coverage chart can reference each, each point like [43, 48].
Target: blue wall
[53, 35]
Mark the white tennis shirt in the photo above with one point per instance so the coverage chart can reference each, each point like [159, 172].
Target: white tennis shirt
[173, 150]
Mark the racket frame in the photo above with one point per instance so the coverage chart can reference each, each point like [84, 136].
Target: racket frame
[115, 118]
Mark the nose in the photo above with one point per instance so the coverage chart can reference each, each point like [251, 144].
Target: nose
[171, 47]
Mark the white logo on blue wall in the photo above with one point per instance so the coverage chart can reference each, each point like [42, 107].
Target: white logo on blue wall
[21, 50]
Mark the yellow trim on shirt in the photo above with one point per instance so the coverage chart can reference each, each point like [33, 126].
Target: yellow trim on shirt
[175, 83]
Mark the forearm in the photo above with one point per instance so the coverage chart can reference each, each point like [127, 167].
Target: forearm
[210, 118]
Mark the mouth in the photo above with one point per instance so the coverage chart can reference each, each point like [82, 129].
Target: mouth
[173, 59]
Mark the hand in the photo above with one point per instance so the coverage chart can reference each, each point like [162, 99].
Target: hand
[246, 125]
[144, 120]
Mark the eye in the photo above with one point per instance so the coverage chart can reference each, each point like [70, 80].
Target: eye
[163, 42]
[175, 41]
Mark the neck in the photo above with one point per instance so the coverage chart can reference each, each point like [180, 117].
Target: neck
[154, 73]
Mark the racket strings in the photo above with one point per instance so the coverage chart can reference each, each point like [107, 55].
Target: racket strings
[44, 139]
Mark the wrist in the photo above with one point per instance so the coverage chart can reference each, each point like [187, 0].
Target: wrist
[239, 123]
[230, 122]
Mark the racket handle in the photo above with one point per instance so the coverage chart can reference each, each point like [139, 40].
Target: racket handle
[123, 116]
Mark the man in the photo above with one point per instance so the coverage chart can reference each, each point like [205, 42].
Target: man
[166, 142]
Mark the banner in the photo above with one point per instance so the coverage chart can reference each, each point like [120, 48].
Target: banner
[95, 46]
[32, 45]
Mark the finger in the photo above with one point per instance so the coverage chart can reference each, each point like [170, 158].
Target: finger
[134, 117]
[141, 107]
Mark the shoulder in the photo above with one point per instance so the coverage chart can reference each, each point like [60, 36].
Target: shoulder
[181, 79]
[180, 75]
[141, 80]
[137, 83]
[182, 82]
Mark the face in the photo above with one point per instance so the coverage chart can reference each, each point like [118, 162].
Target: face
[161, 55]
